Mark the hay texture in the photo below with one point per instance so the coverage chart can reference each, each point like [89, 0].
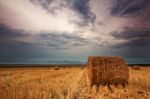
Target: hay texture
[108, 71]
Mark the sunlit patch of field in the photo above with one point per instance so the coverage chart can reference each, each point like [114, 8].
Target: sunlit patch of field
[38, 83]
[67, 83]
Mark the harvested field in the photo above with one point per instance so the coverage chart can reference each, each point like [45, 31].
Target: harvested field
[68, 83]
[38, 83]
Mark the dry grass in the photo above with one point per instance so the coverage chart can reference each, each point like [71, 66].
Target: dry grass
[68, 83]
[38, 83]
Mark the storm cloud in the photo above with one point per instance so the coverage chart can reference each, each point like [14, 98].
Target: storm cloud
[136, 10]
[74, 29]
[126, 7]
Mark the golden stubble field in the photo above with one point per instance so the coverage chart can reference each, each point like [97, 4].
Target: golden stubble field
[67, 83]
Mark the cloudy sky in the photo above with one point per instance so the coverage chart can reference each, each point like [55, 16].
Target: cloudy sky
[71, 30]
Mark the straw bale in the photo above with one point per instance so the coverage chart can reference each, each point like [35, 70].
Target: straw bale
[105, 70]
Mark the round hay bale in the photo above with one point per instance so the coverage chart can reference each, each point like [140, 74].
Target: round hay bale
[135, 67]
[56, 68]
[104, 70]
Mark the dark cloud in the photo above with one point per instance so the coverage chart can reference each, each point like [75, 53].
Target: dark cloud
[136, 45]
[138, 36]
[124, 7]
[138, 11]
[52, 40]
[13, 50]
[61, 39]
[75, 38]
[48, 5]
[4, 31]
[131, 34]
[136, 48]
[9, 36]
[82, 6]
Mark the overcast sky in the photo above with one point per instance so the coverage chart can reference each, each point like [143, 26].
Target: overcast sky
[60, 30]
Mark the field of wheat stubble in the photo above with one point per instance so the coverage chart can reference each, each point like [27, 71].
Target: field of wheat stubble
[68, 83]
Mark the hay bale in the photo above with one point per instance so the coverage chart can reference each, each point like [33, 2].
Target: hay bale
[135, 67]
[56, 68]
[108, 71]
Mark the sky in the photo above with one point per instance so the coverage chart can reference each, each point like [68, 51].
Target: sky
[40, 31]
